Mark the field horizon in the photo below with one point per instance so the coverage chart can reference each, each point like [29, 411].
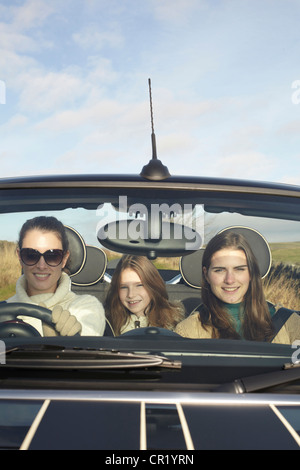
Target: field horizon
[282, 285]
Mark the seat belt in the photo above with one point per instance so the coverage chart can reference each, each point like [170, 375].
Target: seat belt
[280, 318]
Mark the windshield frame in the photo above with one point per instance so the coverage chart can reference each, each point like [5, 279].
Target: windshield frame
[248, 198]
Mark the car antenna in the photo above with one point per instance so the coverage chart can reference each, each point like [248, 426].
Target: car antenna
[154, 170]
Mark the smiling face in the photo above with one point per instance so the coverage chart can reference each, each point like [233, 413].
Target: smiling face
[228, 275]
[132, 292]
[42, 278]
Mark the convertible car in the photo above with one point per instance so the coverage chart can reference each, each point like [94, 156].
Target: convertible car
[150, 388]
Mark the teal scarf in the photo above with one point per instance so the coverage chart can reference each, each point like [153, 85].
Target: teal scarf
[236, 312]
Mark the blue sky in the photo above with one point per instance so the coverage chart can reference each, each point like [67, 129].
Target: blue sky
[225, 85]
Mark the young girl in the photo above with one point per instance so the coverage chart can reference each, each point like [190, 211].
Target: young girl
[43, 253]
[234, 305]
[138, 297]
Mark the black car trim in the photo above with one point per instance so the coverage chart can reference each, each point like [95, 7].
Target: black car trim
[182, 183]
[197, 422]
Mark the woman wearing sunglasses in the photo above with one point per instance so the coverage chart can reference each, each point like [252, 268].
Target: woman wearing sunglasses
[43, 253]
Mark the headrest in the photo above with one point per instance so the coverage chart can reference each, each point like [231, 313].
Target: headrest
[191, 268]
[77, 251]
[191, 265]
[93, 269]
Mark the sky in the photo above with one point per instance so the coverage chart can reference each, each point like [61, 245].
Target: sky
[225, 78]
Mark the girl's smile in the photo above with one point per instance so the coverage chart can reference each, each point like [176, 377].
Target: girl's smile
[228, 275]
[132, 292]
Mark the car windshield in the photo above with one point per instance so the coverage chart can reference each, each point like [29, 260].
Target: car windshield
[170, 227]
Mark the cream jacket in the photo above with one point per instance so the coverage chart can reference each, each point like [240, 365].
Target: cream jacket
[191, 327]
[86, 308]
[131, 323]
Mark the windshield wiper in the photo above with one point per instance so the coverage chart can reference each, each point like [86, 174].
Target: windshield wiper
[289, 373]
[59, 357]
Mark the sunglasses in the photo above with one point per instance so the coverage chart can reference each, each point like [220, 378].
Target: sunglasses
[30, 257]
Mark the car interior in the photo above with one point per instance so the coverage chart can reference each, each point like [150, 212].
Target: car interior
[95, 253]
[88, 270]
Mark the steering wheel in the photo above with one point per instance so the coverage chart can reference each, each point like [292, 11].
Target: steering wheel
[13, 327]
[151, 332]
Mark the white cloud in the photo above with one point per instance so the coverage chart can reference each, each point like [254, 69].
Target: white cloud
[291, 127]
[94, 115]
[246, 165]
[295, 180]
[47, 92]
[99, 71]
[16, 34]
[178, 144]
[17, 121]
[31, 14]
[90, 38]
[176, 10]
[15, 41]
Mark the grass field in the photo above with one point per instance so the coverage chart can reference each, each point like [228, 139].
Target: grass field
[288, 253]
[282, 285]
[10, 269]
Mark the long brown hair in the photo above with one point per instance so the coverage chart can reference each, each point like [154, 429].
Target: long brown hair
[161, 312]
[256, 323]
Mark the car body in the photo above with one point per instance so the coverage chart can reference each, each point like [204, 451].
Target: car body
[152, 389]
